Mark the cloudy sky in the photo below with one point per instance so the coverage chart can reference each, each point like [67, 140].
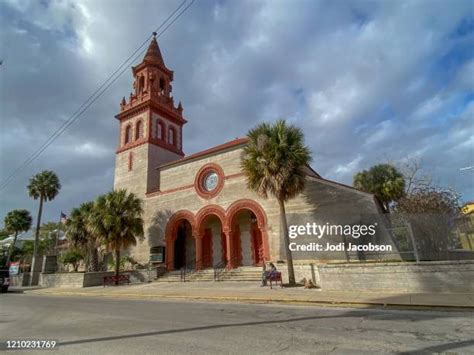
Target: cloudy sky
[368, 82]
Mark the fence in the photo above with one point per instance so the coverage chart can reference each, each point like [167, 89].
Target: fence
[430, 237]
[387, 237]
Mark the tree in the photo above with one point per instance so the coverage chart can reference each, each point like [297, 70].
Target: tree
[274, 163]
[48, 235]
[4, 234]
[72, 257]
[384, 181]
[430, 211]
[17, 221]
[79, 232]
[116, 220]
[44, 186]
[414, 174]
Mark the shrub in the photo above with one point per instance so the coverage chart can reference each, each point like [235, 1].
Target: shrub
[72, 257]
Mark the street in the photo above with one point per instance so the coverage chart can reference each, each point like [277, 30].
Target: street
[92, 325]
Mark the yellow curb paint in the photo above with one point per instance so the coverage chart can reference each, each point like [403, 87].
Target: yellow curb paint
[252, 299]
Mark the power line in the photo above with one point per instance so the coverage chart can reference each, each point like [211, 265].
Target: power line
[92, 98]
[98, 92]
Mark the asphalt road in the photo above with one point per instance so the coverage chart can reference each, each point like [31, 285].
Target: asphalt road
[86, 325]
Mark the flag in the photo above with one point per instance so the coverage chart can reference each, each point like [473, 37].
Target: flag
[63, 218]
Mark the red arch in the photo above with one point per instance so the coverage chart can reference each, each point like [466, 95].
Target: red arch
[175, 218]
[247, 204]
[170, 234]
[206, 211]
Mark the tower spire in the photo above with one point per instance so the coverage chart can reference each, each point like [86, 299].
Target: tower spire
[153, 53]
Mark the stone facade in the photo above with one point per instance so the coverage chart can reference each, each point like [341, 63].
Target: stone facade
[199, 207]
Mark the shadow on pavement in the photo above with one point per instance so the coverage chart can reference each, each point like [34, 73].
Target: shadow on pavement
[355, 313]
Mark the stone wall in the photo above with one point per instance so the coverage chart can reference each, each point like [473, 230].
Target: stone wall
[434, 276]
[70, 280]
[90, 279]
[19, 280]
[95, 278]
[442, 276]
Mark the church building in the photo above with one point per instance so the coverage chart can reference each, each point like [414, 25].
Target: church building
[198, 210]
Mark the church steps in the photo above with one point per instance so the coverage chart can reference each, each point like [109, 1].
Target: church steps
[206, 275]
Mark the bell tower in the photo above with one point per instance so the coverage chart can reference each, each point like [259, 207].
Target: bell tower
[150, 126]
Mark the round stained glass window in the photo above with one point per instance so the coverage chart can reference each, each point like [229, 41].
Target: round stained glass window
[210, 181]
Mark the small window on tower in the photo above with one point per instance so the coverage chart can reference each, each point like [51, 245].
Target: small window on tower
[141, 84]
[159, 130]
[171, 136]
[162, 84]
[139, 130]
[128, 134]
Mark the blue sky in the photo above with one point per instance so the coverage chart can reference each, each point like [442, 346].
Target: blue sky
[368, 81]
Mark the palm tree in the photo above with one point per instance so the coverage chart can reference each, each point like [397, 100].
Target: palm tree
[274, 162]
[44, 186]
[117, 220]
[78, 230]
[17, 221]
[384, 181]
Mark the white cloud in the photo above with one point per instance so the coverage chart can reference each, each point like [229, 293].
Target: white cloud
[353, 75]
[91, 149]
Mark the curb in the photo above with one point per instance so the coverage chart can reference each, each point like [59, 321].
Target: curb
[348, 304]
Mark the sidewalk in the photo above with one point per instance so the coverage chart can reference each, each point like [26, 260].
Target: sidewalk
[252, 292]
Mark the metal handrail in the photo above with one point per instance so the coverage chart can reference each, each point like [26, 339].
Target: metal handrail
[219, 269]
[188, 269]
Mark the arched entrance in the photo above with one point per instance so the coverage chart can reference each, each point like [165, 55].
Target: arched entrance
[235, 237]
[183, 246]
[180, 242]
[210, 239]
[247, 233]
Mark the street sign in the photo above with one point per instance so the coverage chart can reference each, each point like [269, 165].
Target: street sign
[14, 268]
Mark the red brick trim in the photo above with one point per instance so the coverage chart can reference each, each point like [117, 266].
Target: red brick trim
[149, 104]
[207, 211]
[186, 187]
[202, 173]
[132, 112]
[176, 189]
[235, 143]
[170, 233]
[258, 211]
[130, 161]
[226, 217]
[232, 176]
[153, 141]
[131, 145]
[163, 144]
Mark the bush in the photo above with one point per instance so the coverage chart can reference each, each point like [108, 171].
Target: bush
[72, 257]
